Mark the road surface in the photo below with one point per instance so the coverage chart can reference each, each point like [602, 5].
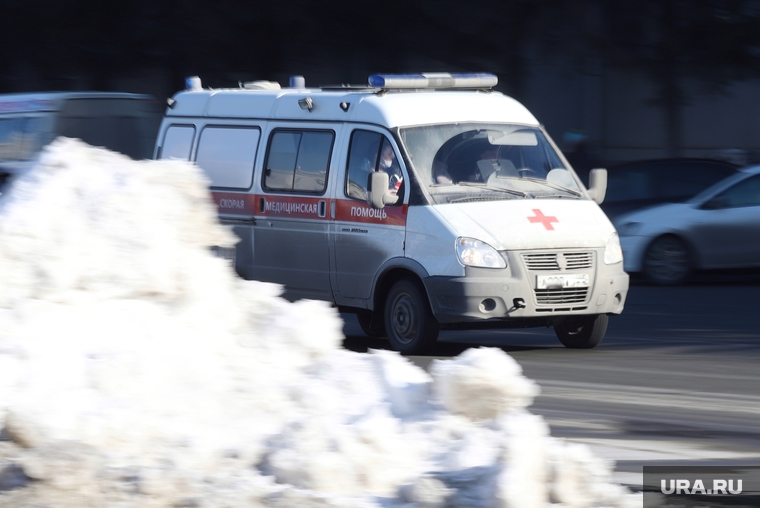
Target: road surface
[675, 381]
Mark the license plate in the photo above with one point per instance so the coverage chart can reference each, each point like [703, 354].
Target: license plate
[574, 280]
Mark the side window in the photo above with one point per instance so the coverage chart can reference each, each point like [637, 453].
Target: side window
[119, 124]
[744, 193]
[362, 158]
[21, 137]
[625, 185]
[368, 152]
[178, 139]
[680, 181]
[226, 155]
[298, 161]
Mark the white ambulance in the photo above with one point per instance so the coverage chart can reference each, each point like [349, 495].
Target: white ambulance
[418, 202]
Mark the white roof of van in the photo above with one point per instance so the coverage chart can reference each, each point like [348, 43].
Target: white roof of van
[51, 101]
[389, 109]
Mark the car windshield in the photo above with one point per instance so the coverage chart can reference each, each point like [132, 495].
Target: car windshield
[473, 161]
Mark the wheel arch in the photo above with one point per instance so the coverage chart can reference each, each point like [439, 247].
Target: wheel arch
[393, 271]
[694, 257]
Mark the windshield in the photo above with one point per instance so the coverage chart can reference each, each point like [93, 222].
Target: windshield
[472, 161]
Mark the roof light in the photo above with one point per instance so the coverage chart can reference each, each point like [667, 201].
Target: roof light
[433, 80]
[261, 85]
[193, 83]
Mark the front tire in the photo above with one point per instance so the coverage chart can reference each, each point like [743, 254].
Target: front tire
[667, 261]
[409, 324]
[582, 332]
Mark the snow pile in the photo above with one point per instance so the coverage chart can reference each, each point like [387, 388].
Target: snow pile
[136, 369]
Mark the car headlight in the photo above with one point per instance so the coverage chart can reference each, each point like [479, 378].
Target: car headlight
[472, 252]
[629, 228]
[613, 253]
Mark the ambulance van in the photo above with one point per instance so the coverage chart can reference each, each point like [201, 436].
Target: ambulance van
[417, 202]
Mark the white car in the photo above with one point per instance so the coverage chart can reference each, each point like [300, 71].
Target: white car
[717, 229]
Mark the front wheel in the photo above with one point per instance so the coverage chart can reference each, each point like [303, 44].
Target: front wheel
[582, 332]
[409, 324]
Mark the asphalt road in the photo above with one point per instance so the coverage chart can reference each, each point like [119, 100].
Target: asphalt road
[675, 381]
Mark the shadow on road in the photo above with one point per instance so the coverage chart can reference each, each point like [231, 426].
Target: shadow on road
[361, 344]
[731, 277]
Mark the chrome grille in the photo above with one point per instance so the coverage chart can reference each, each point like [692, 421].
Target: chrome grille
[579, 260]
[541, 261]
[554, 261]
[561, 296]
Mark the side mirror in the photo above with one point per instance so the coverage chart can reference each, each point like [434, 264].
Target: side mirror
[378, 194]
[597, 179]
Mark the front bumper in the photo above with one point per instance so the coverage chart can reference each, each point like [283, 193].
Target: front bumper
[511, 294]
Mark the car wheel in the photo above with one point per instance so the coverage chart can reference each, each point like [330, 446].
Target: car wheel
[667, 261]
[368, 327]
[582, 332]
[409, 323]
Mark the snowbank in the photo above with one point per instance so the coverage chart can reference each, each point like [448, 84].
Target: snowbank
[136, 369]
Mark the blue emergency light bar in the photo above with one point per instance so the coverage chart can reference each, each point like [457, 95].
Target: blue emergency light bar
[433, 80]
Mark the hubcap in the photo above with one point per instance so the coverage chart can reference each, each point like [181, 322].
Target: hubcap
[667, 260]
[403, 318]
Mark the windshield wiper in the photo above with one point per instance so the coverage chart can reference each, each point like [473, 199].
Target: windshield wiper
[554, 196]
[554, 186]
[496, 189]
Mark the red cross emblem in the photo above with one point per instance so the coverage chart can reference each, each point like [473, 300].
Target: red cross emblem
[543, 219]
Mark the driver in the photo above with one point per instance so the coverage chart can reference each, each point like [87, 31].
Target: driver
[441, 174]
[389, 165]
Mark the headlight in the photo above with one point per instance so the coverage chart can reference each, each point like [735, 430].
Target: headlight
[473, 252]
[613, 253]
[629, 228]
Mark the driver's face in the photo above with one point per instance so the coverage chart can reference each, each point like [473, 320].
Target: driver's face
[492, 153]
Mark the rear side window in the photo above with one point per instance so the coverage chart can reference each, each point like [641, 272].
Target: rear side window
[298, 161]
[178, 140]
[744, 193]
[128, 126]
[227, 154]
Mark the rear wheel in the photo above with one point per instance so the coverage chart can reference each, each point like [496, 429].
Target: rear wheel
[667, 261]
[582, 332]
[409, 323]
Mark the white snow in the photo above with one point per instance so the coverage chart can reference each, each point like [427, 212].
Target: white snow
[136, 369]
